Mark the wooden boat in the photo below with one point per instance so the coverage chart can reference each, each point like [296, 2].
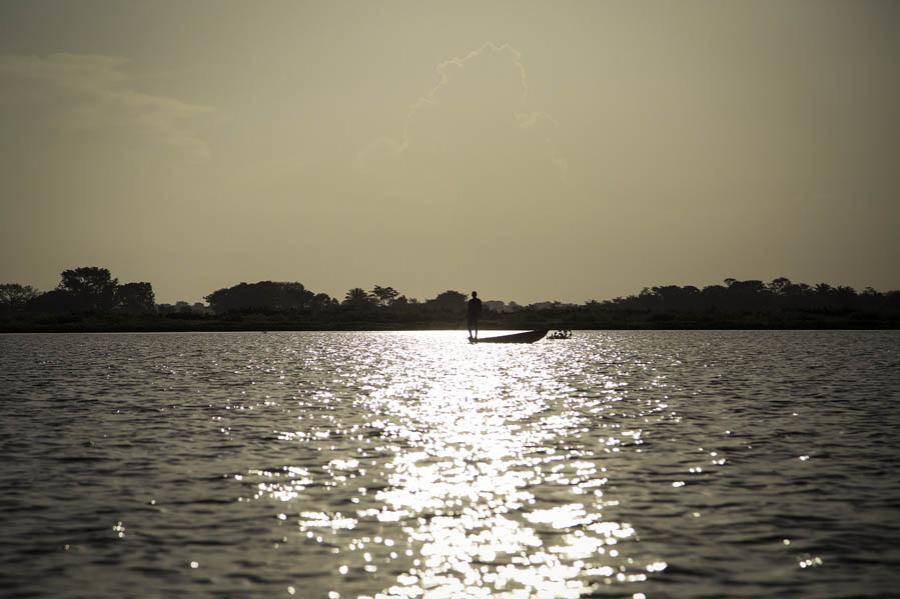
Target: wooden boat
[527, 337]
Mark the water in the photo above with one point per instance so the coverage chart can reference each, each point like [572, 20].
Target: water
[662, 464]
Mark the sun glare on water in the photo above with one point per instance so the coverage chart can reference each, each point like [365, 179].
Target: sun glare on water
[486, 489]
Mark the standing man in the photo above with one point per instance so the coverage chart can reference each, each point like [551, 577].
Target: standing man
[474, 314]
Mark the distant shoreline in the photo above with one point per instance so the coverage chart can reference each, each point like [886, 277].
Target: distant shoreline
[89, 299]
[165, 325]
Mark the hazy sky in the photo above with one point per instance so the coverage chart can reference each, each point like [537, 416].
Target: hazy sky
[532, 151]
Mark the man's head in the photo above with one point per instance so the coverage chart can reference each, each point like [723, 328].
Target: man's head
[474, 294]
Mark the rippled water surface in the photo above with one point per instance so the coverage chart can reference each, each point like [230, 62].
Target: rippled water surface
[657, 464]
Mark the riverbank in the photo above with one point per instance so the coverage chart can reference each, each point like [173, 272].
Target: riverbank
[111, 323]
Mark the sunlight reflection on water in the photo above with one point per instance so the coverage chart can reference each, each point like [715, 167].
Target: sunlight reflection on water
[417, 465]
[474, 432]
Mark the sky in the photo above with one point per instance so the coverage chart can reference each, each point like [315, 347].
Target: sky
[532, 151]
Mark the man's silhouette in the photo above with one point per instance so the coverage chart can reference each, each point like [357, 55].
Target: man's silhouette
[474, 315]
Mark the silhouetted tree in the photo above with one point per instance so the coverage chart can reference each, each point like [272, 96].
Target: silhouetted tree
[56, 301]
[322, 301]
[780, 286]
[357, 297]
[264, 295]
[14, 297]
[385, 295]
[674, 297]
[745, 287]
[90, 288]
[165, 309]
[495, 306]
[449, 303]
[713, 296]
[135, 297]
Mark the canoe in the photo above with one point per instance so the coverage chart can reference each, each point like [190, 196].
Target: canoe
[527, 337]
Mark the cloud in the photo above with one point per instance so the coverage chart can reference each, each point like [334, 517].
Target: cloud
[479, 105]
[93, 92]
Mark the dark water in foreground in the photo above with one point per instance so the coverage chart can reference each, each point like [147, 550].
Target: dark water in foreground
[627, 464]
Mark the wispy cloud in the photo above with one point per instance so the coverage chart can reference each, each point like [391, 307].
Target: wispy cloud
[89, 91]
[446, 72]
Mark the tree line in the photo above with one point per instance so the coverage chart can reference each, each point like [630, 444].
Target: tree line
[84, 289]
[92, 289]
[754, 295]
[780, 303]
